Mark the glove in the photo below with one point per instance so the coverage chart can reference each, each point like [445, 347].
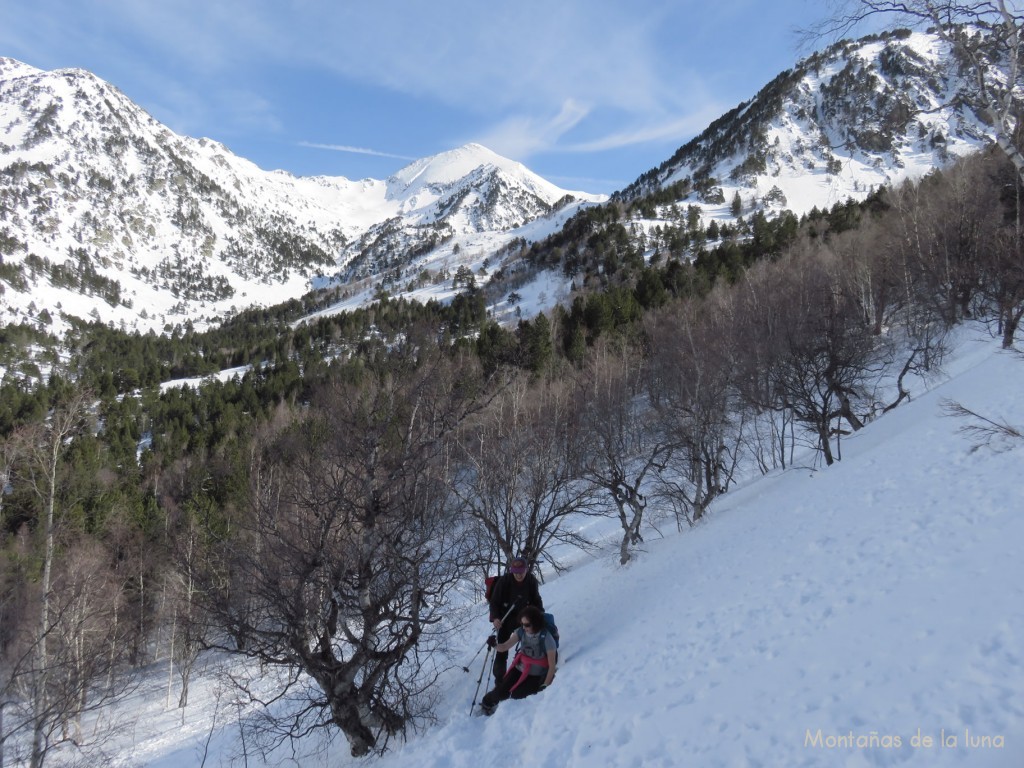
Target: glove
[492, 642]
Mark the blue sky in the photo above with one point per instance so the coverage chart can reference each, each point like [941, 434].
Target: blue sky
[587, 93]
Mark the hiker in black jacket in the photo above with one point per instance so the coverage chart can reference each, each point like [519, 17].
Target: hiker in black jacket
[512, 592]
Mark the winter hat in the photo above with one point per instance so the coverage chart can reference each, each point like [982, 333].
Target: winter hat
[517, 565]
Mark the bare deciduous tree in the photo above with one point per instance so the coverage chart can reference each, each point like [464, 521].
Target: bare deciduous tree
[62, 645]
[626, 443]
[693, 393]
[40, 473]
[829, 352]
[187, 629]
[757, 319]
[1004, 283]
[1002, 264]
[891, 268]
[86, 671]
[340, 573]
[981, 429]
[90, 648]
[520, 469]
[815, 348]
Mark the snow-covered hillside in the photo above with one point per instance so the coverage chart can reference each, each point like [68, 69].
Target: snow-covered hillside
[843, 122]
[107, 214]
[817, 617]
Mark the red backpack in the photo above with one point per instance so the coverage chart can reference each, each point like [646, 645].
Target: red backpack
[489, 587]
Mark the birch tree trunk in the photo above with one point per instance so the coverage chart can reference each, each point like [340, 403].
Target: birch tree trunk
[48, 447]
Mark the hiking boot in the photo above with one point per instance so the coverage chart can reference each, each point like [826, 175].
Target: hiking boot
[488, 709]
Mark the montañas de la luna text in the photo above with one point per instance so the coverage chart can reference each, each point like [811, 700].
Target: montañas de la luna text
[877, 740]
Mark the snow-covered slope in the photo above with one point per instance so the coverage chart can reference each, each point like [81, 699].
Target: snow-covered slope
[818, 617]
[844, 121]
[879, 597]
[107, 214]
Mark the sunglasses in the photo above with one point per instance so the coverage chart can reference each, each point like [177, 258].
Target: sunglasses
[526, 625]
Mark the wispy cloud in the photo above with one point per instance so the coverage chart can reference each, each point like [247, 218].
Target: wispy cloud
[530, 55]
[521, 136]
[586, 182]
[353, 150]
[674, 129]
[485, 56]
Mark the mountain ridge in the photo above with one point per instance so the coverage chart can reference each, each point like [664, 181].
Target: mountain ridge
[107, 214]
[857, 105]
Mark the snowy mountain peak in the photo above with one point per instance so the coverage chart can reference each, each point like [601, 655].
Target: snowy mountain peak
[458, 194]
[470, 161]
[447, 167]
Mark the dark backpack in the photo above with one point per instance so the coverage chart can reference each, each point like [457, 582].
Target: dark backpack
[549, 626]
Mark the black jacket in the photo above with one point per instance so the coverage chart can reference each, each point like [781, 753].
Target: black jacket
[508, 592]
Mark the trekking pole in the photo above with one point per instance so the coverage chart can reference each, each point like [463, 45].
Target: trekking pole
[470, 662]
[487, 657]
[479, 680]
